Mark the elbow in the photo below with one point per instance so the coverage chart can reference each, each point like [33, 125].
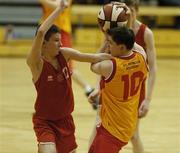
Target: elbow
[28, 61]
[41, 32]
[92, 67]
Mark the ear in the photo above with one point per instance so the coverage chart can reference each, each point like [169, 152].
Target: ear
[122, 47]
[44, 42]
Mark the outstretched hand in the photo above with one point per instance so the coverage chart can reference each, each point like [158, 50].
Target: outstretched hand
[64, 4]
[93, 95]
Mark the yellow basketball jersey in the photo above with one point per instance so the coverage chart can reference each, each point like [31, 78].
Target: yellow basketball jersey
[120, 95]
[63, 21]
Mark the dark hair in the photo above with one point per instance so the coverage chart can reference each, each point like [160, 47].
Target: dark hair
[52, 30]
[122, 35]
[134, 3]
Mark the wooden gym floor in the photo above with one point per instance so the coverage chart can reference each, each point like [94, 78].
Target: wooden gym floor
[160, 130]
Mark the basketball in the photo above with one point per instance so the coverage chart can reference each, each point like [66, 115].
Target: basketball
[111, 16]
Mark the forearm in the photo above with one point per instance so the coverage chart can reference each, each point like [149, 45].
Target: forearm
[49, 21]
[151, 83]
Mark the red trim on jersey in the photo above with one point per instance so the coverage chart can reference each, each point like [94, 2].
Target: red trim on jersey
[113, 71]
[145, 61]
[139, 38]
[142, 92]
[127, 57]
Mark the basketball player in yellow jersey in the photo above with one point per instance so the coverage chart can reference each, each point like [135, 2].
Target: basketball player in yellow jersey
[144, 37]
[63, 22]
[122, 79]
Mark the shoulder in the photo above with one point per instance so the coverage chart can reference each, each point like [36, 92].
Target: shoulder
[138, 49]
[149, 38]
[148, 33]
[103, 68]
[65, 51]
[107, 68]
[107, 64]
[141, 53]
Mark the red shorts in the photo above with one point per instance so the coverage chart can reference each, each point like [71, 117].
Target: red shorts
[104, 142]
[61, 132]
[67, 42]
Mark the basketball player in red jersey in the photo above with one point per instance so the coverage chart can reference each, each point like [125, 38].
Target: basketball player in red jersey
[122, 79]
[53, 123]
[63, 21]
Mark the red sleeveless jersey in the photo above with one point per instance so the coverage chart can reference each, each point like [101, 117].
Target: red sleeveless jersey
[140, 36]
[54, 92]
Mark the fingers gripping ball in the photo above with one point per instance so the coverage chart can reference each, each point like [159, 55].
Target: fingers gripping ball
[112, 15]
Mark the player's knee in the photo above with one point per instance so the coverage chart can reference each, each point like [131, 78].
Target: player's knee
[47, 148]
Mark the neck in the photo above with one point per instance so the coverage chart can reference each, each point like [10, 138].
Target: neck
[134, 24]
[48, 58]
[125, 53]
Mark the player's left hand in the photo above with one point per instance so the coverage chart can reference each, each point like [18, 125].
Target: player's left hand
[123, 5]
[93, 95]
[144, 108]
[64, 4]
[128, 12]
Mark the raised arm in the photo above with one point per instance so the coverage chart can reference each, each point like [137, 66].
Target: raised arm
[151, 56]
[34, 60]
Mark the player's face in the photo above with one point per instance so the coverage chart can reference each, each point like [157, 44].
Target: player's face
[115, 49]
[53, 44]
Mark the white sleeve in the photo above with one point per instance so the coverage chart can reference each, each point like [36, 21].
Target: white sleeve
[140, 50]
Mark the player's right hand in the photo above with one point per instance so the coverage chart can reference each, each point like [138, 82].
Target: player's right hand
[128, 12]
[64, 4]
[93, 96]
[123, 5]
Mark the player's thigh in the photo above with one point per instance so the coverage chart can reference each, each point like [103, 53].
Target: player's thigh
[48, 147]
